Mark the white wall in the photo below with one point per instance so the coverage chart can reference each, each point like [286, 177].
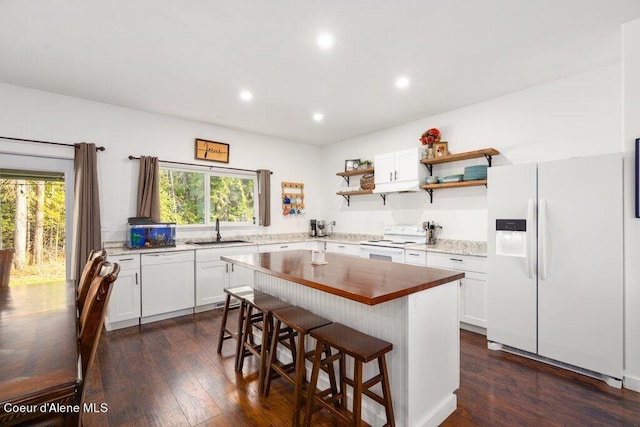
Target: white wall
[631, 71]
[32, 114]
[576, 116]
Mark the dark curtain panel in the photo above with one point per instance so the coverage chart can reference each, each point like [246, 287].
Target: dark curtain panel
[264, 197]
[86, 207]
[149, 189]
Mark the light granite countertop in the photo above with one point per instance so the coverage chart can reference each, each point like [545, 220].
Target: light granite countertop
[458, 247]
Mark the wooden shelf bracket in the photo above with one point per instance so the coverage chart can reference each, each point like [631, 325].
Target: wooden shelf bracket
[347, 197]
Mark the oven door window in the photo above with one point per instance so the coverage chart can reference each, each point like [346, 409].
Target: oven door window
[382, 253]
[385, 257]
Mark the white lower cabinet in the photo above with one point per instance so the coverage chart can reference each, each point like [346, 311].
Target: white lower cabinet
[415, 257]
[343, 248]
[472, 289]
[124, 305]
[214, 275]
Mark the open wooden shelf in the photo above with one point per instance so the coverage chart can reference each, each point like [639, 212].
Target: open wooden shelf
[485, 152]
[356, 172]
[348, 174]
[347, 195]
[354, 192]
[455, 184]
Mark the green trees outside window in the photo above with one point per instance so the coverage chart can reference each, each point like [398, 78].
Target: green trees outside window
[231, 199]
[182, 196]
[228, 197]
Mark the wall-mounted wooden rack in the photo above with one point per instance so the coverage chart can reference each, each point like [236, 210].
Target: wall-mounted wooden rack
[294, 191]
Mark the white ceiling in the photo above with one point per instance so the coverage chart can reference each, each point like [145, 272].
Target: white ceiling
[190, 59]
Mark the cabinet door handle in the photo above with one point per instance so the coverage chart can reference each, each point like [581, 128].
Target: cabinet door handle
[413, 254]
[125, 259]
[395, 175]
[390, 176]
[283, 247]
[136, 277]
[455, 259]
[226, 268]
[233, 268]
[341, 246]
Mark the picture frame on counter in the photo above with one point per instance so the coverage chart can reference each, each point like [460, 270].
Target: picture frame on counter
[440, 149]
[212, 151]
[351, 165]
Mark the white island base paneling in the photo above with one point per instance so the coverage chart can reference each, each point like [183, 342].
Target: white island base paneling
[424, 365]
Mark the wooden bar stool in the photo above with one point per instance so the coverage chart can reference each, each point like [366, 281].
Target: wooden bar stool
[363, 348]
[236, 293]
[289, 323]
[257, 313]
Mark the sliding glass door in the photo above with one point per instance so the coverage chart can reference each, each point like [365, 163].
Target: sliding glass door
[36, 202]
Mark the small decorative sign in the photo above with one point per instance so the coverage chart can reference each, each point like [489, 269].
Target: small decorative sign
[211, 150]
[351, 165]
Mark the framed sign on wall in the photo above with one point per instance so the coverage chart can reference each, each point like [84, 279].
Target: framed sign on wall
[211, 150]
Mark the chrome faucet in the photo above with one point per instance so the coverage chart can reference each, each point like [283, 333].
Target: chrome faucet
[218, 236]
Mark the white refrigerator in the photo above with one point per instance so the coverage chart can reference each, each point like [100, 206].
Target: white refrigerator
[555, 262]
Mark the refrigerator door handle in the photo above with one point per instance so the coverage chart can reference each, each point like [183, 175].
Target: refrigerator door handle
[530, 258]
[542, 239]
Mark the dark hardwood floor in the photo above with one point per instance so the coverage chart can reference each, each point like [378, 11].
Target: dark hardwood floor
[170, 374]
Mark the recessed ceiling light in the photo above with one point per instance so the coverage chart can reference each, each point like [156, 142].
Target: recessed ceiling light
[245, 95]
[402, 82]
[318, 117]
[325, 41]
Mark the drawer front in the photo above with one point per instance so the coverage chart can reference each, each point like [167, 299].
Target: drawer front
[343, 248]
[457, 262]
[277, 247]
[166, 257]
[214, 254]
[415, 257]
[126, 262]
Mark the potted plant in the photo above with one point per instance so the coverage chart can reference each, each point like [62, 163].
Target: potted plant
[365, 164]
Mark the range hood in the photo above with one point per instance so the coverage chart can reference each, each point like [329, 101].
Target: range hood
[398, 187]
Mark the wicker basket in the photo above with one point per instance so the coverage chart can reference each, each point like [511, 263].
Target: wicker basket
[367, 182]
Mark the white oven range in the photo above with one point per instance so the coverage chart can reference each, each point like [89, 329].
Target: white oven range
[391, 246]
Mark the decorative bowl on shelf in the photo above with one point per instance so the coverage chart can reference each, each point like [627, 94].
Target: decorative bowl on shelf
[432, 180]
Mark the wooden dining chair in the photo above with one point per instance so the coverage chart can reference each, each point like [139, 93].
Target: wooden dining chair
[90, 322]
[92, 316]
[96, 257]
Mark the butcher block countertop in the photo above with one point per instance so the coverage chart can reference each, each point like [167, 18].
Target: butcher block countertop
[364, 280]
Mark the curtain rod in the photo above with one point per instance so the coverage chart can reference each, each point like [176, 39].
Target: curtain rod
[47, 142]
[199, 165]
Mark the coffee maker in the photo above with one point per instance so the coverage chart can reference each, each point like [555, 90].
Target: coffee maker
[320, 229]
[313, 228]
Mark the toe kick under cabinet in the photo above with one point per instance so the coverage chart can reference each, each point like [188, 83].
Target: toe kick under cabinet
[472, 289]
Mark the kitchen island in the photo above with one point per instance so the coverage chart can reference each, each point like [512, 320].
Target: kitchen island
[414, 308]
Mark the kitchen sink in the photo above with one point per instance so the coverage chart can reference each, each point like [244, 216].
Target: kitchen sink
[221, 242]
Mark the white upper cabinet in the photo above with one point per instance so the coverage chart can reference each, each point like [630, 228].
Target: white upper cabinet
[408, 165]
[385, 168]
[398, 171]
